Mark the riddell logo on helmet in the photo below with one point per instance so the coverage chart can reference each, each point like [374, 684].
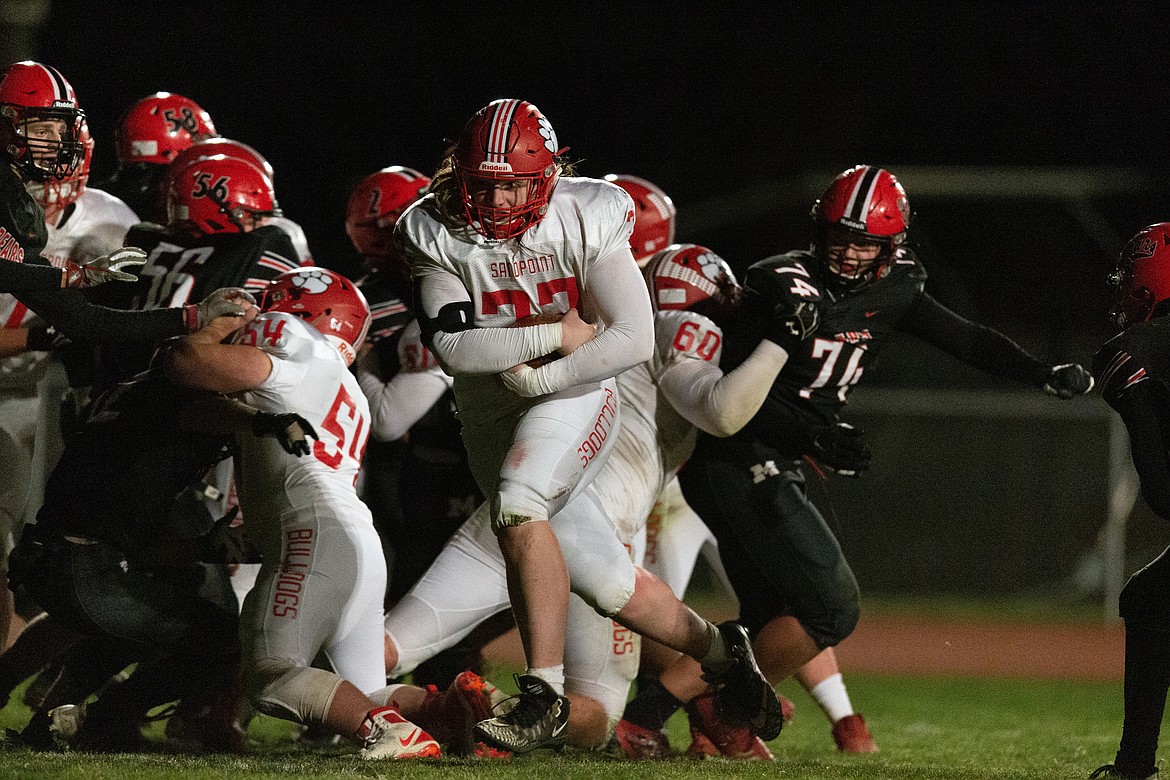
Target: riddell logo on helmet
[852, 223]
[495, 167]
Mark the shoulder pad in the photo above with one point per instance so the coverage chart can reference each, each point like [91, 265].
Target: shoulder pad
[783, 276]
[680, 334]
[281, 335]
[1116, 369]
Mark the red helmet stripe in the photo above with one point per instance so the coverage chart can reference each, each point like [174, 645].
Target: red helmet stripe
[501, 123]
[859, 200]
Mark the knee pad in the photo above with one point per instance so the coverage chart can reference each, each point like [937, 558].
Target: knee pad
[836, 619]
[283, 690]
[512, 507]
[600, 569]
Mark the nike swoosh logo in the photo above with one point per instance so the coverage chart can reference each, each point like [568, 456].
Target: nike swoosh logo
[408, 739]
[871, 313]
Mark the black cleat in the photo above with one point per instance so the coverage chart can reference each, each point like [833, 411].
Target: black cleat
[539, 719]
[743, 696]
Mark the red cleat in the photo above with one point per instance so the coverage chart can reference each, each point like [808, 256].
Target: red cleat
[640, 743]
[712, 737]
[852, 736]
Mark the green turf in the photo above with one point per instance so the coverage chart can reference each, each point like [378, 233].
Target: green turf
[927, 728]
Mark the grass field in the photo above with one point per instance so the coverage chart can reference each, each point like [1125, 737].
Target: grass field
[927, 728]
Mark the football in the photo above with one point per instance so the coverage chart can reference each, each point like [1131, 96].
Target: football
[542, 318]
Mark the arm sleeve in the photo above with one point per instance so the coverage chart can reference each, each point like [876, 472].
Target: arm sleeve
[476, 350]
[395, 406]
[977, 345]
[720, 404]
[618, 293]
[72, 313]
[26, 277]
[1145, 409]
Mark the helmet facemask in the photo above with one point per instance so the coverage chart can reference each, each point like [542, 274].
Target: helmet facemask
[522, 199]
[42, 159]
[853, 257]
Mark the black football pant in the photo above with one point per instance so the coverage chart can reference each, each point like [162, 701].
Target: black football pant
[780, 555]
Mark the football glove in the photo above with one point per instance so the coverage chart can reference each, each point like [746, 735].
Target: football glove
[841, 449]
[104, 269]
[43, 338]
[224, 302]
[225, 543]
[1068, 380]
[288, 428]
[793, 321]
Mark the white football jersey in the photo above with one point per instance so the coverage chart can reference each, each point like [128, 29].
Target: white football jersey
[96, 226]
[544, 269]
[654, 440]
[308, 377]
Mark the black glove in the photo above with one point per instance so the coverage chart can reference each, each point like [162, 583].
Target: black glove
[43, 338]
[841, 449]
[288, 428]
[793, 321]
[225, 543]
[1068, 380]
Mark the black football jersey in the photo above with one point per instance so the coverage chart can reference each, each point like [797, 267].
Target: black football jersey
[23, 236]
[1133, 373]
[182, 269]
[1140, 354]
[124, 466]
[816, 380]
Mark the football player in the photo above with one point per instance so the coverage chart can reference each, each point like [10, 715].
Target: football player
[148, 138]
[676, 537]
[797, 593]
[83, 559]
[209, 147]
[1132, 371]
[321, 584]
[664, 399]
[502, 236]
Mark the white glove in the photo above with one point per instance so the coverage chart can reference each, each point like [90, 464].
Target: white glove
[104, 269]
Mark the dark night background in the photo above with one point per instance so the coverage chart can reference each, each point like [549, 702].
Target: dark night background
[741, 112]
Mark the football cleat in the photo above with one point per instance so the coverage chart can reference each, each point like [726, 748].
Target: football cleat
[852, 735]
[709, 733]
[1109, 770]
[451, 715]
[743, 696]
[386, 734]
[639, 743]
[539, 719]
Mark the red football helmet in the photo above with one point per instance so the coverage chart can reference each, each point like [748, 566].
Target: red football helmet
[56, 195]
[654, 214]
[864, 205]
[1142, 278]
[209, 147]
[692, 278]
[219, 194]
[506, 162]
[326, 300]
[32, 93]
[375, 206]
[158, 127]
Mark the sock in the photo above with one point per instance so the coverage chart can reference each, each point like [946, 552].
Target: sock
[717, 658]
[830, 693]
[652, 706]
[554, 676]
[1147, 676]
[384, 697]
